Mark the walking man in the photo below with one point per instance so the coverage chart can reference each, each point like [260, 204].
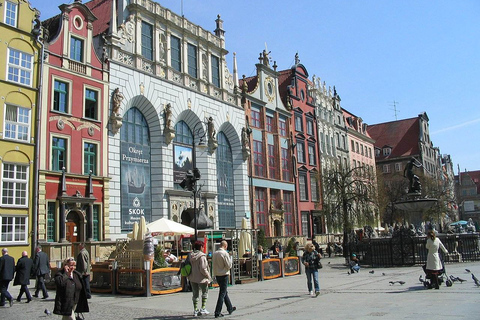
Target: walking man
[83, 266]
[22, 276]
[222, 263]
[42, 268]
[7, 269]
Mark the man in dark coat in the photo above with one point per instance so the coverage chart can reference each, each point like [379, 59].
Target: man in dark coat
[42, 268]
[83, 266]
[71, 291]
[22, 276]
[7, 269]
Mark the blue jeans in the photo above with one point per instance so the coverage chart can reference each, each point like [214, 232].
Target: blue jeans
[223, 295]
[312, 273]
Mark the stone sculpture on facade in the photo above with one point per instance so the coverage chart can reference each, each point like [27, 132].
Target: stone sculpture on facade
[115, 118]
[245, 143]
[212, 135]
[169, 131]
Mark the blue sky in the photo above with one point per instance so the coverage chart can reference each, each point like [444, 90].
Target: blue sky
[424, 55]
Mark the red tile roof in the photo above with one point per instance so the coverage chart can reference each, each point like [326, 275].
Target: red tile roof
[102, 9]
[402, 136]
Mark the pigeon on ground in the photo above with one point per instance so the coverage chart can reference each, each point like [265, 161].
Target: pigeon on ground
[468, 270]
[421, 279]
[475, 280]
[392, 282]
[461, 280]
[372, 272]
[383, 273]
[454, 279]
[47, 312]
[348, 272]
[401, 282]
[328, 262]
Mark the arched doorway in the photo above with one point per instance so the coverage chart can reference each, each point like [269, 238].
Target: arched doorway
[277, 228]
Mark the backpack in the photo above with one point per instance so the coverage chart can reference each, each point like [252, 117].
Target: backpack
[186, 267]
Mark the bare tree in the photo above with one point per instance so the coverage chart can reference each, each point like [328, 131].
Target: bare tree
[349, 200]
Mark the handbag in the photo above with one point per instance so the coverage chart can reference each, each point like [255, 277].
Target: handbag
[319, 264]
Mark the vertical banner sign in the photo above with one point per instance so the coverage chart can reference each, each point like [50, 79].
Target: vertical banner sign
[135, 186]
[183, 162]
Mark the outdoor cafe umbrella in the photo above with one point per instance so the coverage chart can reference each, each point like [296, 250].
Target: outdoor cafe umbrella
[134, 234]
[166, 227]
[461, 222]
[142, 229]
[245, 240]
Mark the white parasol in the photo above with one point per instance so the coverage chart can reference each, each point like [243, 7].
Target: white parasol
[168, 227]
[245, 241]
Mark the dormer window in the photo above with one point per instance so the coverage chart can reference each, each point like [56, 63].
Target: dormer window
[387, 151]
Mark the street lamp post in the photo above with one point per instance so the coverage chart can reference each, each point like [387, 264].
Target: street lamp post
[190, 181]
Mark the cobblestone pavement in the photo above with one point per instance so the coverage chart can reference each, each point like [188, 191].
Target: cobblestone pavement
[363, 295]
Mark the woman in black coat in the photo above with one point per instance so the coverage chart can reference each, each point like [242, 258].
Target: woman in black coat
[71, 295]
[23, 269]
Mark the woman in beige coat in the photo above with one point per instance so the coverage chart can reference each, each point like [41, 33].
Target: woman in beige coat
[199, 278]
[434, 265]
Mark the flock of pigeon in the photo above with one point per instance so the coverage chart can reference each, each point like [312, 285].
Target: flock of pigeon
[452, 278]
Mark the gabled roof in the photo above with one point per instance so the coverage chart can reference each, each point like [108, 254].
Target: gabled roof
[474, 176]
[402, 135]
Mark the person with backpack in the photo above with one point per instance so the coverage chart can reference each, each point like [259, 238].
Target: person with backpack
[199, 278]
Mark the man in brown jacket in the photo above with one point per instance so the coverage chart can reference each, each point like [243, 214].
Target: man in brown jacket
[83, 266]
[222, 263]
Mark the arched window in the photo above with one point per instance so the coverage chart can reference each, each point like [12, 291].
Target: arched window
[135, 169]
[226, 199]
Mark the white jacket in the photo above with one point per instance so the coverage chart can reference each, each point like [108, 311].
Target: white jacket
[222, 263]
[433, 258]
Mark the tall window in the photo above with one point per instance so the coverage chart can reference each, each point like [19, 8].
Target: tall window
[11, 10]
[51, 209]
[301, 151]
[302, 184]
[91, 104]
[255, 118]
[176, 53]
[215, 71]
[17, 123]
[328, 146]
[192, 60]
[147, 40]
[305, 223]
[285, 165]
[282, 127]
[312, 159]
[89, 158]
[13, 229]
[322, 142]
[298, 122]
[313, 187]
[76, 49]
[60, 96]
[310, 127]
[288, 214]
[269, 125]
[59, 153]
[258, 158]
[225, 183]
[260, 209]
[95, 222]
[14, 184]
[272, 168]
[20, 67]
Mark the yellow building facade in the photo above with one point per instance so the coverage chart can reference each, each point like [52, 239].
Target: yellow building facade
[20, 68]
